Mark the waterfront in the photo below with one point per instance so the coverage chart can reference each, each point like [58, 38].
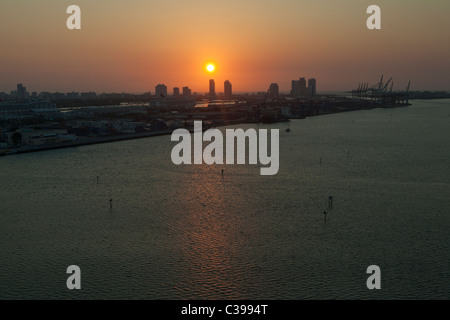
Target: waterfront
[187, 233]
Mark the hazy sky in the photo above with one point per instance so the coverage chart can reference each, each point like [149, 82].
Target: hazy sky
[133, 45]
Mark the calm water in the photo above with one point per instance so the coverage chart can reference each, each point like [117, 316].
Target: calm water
[187, 233]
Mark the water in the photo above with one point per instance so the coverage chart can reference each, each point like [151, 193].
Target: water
[207, 103]
[184, 232]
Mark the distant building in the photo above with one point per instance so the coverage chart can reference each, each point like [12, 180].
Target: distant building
[312, 87]
[27, 108]
[30, 137]
[21, 92]
[187, 92]
[299, 88]
[72, 95]
[88, 95]
[61, 96]
[45, 96]
[302, 83]
[228, 91]
[303, 90]
[4, 96]
[274, 90]
[212, 88]
[161, 91]
[295, 90]
[176, 92]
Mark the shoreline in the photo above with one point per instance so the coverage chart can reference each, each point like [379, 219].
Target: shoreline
[101, 140]
[87, 142]
[133, 136]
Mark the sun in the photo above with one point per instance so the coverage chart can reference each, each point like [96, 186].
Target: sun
[210, 67]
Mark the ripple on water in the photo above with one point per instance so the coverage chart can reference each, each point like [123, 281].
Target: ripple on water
[188, 233]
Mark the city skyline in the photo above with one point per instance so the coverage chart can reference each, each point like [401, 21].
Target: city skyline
[159, 91]
[171, 42]
[247, 154]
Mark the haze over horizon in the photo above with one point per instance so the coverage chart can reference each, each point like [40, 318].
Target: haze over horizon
[132, 46]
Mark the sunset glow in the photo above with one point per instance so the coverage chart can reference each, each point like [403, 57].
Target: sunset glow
[243, 155]
[119, 48]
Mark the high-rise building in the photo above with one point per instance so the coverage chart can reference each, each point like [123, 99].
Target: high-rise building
[299, 88]
[227, 90]
[303, 89]
[274, 90]
[302, 82]
[161, 91]
[21, 92]
[312, 87]
[176, 92]
[212, 88]
[295, 91]
[186, 92]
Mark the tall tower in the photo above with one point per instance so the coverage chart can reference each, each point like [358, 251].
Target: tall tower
[21, 92]
[274, 90]
[161, 91]
[295, 91]
[303, 90]
[312, 86]
[212, 88]
[227, 90]
[186, 92]
[302, 83]
[176, 92]
[299, 88]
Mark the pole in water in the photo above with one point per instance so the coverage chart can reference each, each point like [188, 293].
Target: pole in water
[97, 179]
[330, 201]
[222, 172]
[348, 153]
[325, 213]
[320, 160]
[110, 203]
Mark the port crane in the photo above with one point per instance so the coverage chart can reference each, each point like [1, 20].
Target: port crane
[381, 93]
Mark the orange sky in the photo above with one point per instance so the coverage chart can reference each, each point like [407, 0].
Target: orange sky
[134, 45]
